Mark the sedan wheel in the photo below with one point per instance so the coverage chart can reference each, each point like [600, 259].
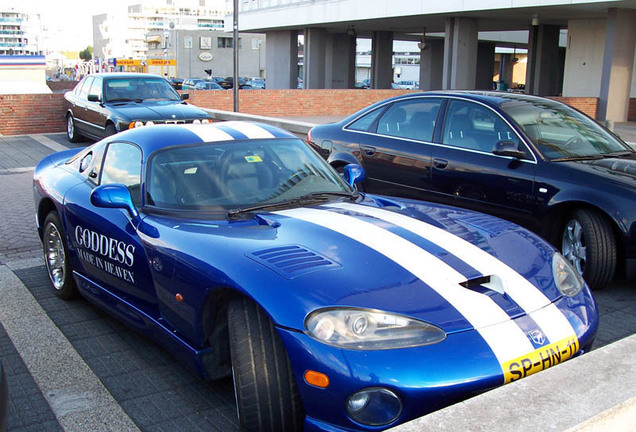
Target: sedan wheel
[55, 258]
[71, 131]
[267, 398]
[589, 244]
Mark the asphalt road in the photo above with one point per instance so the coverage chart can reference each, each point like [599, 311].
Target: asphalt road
[149, 388]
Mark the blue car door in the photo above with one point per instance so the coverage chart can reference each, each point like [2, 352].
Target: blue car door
[466, 173]
[109, 250]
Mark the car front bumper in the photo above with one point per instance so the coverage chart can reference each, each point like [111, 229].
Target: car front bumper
[424, 379]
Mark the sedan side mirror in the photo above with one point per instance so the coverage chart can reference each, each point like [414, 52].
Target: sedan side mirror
[93, 98]
[353, 173]
[185, 96]
[114, 196]
[508, 149]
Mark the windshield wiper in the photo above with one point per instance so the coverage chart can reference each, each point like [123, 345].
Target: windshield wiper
[618, 154]
[125, 100]
[303, 199]
[578, 158]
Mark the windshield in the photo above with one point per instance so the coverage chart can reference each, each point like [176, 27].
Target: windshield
[138, 89]
[227, 175]
[560, 132]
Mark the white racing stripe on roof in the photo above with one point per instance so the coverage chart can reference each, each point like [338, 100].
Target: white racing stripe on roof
[552, 322]
[507, 341]
[250, 130]
[209, 133]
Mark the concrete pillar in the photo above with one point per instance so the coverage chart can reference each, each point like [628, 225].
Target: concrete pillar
[382, 60]
[340, 63]
[315, 53]
[544, 61]
[460, 54]
[485, 65]
[431, 65]
[281, 59]
[618, 65]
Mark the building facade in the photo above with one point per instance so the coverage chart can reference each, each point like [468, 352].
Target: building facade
[19, 32]
[457, 42]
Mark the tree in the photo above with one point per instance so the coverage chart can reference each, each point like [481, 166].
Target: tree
[87, 54]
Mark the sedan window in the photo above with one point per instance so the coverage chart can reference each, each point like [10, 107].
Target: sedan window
[475, 127]
[413, 118]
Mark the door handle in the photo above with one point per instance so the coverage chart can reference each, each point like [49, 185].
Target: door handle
[368, 150]
[440, 163]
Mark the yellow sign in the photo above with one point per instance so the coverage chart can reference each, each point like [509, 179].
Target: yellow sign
[161, 62]
[540, 359]
[128, 62]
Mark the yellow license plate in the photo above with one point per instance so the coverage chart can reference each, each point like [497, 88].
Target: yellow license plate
[540, 359]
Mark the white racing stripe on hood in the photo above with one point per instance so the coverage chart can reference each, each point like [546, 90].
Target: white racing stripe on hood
[507, 341]
[552, 322]
[250, 130]
[209, 134]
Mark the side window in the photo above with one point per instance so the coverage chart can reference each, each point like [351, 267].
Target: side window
[413, 118]
[475, 127]
[96, 88]
[88, 82]
[365, 122]
[122, 164]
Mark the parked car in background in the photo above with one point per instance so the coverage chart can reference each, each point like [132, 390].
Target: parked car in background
[221, 81]
[244, 254]
[531, 160]
[364, 84]
[408, 85]
[177, 83]
[188, 84]
[256, 83]
[101, 105]
[207, 85]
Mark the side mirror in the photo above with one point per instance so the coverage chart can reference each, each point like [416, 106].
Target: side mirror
[114, 196]
[185, 96]
[353, 173]
[508, 149]
[93, 98]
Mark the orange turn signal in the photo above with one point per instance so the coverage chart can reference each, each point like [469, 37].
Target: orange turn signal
[316, 379]
[179, 297]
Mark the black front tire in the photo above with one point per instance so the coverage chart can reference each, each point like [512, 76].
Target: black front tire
[587, 241]
[71, 130]
[267, 397]
[110, 130]
[56, 257]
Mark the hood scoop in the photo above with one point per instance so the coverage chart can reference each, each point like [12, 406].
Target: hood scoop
[485, 284]
[292, 261]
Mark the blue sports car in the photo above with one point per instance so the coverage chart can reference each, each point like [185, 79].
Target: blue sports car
[240, 250]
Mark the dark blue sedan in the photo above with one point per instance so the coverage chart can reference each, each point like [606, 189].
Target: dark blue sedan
[531, 160]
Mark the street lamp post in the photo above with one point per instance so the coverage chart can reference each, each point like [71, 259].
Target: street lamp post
[236, 57]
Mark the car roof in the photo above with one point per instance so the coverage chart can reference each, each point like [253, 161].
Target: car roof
[492, 98]
[153, 138]
[125, 75]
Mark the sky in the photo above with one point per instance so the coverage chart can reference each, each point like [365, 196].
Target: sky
[70, 22]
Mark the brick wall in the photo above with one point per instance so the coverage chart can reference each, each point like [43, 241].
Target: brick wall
[293, 103]
[26, 114]
[588, 105]
[31, 114]
[61, 86]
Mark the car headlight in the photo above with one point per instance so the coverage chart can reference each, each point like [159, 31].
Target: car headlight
[135, 124]
[366, 329]
[196, 121]
[566, 278]
[205, 121]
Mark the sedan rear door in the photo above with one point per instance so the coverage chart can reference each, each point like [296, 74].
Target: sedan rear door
[396, 148]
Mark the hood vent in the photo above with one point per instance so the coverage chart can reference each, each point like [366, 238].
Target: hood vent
[292, 261]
